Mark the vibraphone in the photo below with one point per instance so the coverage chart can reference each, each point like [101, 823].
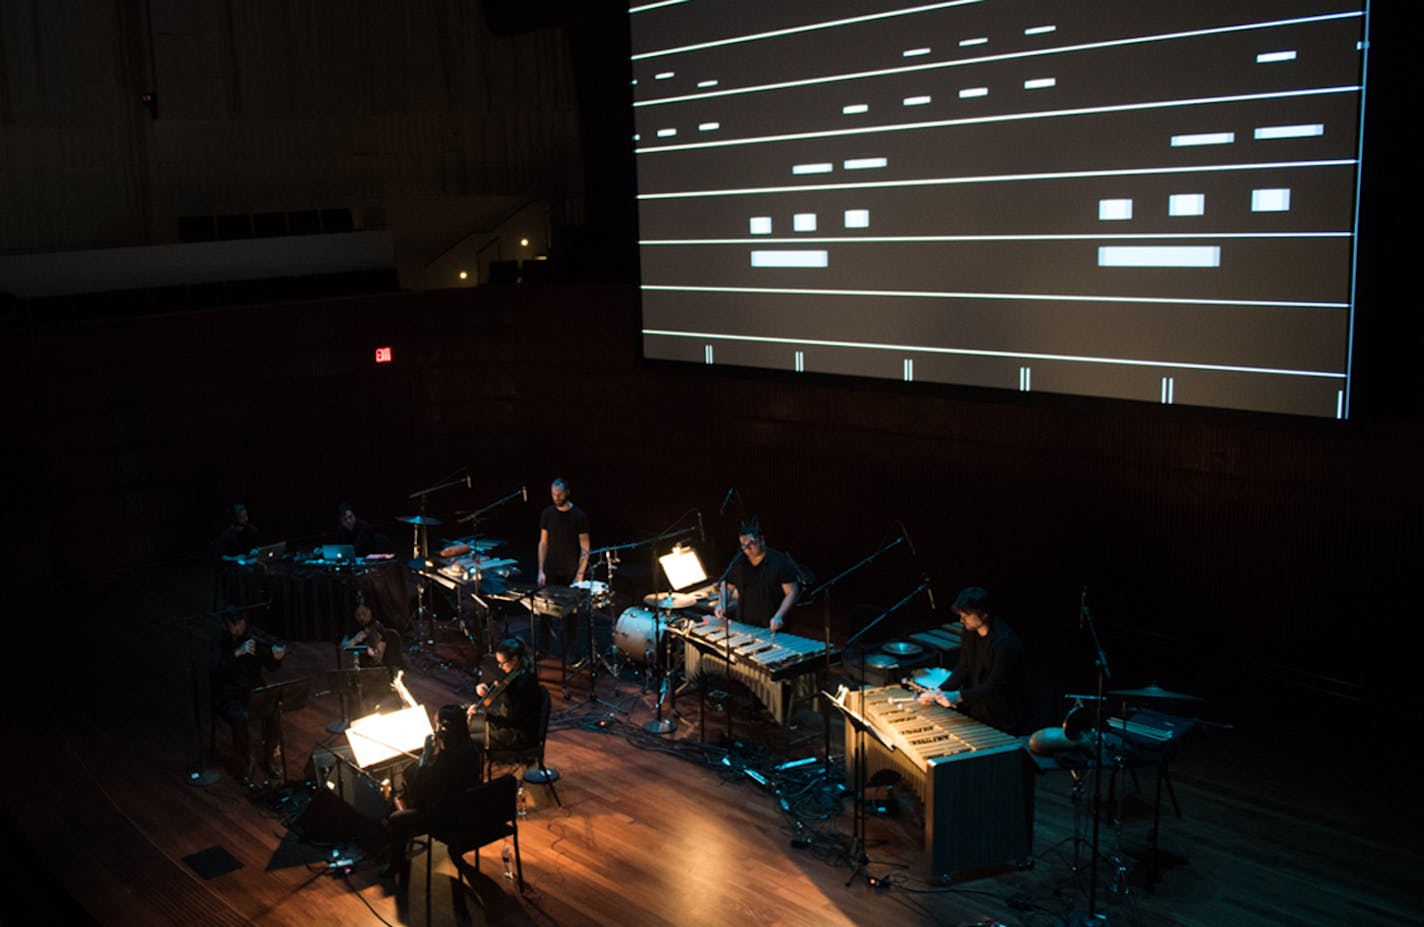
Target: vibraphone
[779, 669]
[974, 781]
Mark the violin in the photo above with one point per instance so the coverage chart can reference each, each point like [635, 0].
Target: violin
[495, 689]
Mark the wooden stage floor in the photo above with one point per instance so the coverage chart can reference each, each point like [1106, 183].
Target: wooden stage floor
[1286, 824]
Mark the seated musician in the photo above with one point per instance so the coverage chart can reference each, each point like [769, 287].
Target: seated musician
[762, 582]
[988, 684]
[236, 670]
[358, 533]
[450, 763]
[507, 715]
[239, 538]
[368, 641]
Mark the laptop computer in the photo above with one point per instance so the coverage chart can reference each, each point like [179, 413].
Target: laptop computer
[338, 553]
[270, 553]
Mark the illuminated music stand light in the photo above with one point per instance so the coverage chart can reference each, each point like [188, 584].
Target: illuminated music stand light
[683, 567]
[384, 735]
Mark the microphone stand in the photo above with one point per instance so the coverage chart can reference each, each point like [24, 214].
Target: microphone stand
[479, 577]
[826, 626]
[1100, 661]
[727, 654]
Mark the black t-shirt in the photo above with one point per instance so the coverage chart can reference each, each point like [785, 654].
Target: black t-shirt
[759, 591]
[561, 557]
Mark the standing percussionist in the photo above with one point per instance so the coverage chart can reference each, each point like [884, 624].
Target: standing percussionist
[762, 582]
[563, 549]
[988, 683]
[511, 719]
[237, 669]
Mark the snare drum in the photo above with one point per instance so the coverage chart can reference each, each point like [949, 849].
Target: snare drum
[633, 635]
[596, 590]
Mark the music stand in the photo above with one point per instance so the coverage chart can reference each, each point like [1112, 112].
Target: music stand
[355, 685]
[278, 698]
[857, 854]
[683, 568]
[385, 735]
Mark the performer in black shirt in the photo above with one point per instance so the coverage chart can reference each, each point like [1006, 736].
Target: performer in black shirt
[763, 582]
[511, 719]
[239, 537]
[357, 532]
[237, 668]
[563, 539]
[563, 553]
[988, 683]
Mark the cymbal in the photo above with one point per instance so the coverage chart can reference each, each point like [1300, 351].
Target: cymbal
[419, 520]
[1156, 691]
[902, 648]
[485, 543]
[669, 600]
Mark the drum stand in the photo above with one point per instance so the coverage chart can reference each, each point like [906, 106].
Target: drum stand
[662, 667]
[594, 658]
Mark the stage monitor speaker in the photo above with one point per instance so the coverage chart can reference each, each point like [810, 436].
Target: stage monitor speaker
[333, 771]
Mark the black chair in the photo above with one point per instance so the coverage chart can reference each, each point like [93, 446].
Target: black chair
[487, 812]
[531, 756]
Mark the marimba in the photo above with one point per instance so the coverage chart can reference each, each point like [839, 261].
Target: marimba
[778, 668]
[974, 781]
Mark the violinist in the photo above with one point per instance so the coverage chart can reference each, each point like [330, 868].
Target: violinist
[237, 667]
[368, 642]
[506, 717]
[450, 763]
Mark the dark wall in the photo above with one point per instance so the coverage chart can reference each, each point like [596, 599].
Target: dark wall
[1216, 548]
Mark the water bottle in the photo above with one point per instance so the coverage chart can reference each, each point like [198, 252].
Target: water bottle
[520, 808]
[508, 872]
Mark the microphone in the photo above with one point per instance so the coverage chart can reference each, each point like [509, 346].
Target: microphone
[701, 532]
[524, 491]
[929, 590]
[722, 510]
[905, 534]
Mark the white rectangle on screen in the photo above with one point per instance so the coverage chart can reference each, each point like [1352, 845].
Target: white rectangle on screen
[704, 84]
[1159, 256]
[977, 40]
[855, 109]
[1040, 83]
[916, 101]
[808, 258]
[666, 133]
[1203, 138]
[1301, 131]
[914, 52]
[760, 225]
[708, 126]
[864, 164]
[969, 92]
[1275, 199]
[1039, 30]
[821, 167]
[1114, 210]
[857, 218]
[803, 222]
[1186, 204]
[1275, 56]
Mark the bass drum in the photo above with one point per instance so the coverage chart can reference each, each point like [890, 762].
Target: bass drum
[634, 635]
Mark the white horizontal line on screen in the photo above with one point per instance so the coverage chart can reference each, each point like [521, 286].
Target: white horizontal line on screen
[808, 27]
[1001, 178]
[910, 239]
[1001, 118]
[653, 6]
[1005, 56]
[1033, 297]
[971, 352]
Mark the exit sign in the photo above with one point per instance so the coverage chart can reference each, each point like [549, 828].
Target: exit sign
[384, 355]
